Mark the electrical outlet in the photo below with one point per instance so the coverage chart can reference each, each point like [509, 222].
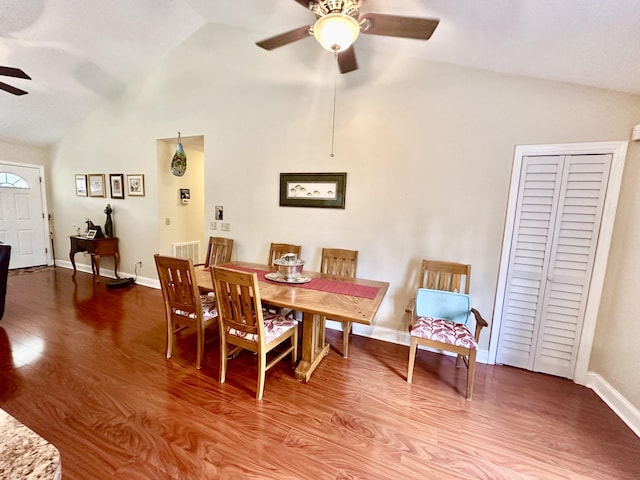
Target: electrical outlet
[167, 221]
[213, 225]
[225, 227]
[139, 263]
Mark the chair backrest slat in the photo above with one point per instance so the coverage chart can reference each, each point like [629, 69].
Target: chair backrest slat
[447, 276]
[339, 261]
[239, 304]
[218, 251]
[177, 280]
[277, 250]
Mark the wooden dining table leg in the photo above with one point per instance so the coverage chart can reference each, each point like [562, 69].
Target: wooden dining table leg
[314, 347]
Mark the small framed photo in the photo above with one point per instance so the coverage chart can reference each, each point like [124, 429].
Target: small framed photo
[116, 181]
[135, 185]
[96, 185]
[92, 234]
[81, 185]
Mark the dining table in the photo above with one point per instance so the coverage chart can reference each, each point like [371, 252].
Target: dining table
[324, 296]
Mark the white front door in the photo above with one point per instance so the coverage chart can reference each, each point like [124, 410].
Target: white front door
[22, 220]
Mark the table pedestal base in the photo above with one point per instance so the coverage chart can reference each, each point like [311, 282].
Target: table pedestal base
[314, 348]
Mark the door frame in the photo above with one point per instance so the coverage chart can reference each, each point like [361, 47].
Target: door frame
[618, 150]
[44, 205]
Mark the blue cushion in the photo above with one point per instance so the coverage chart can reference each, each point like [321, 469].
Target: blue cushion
[440, 304]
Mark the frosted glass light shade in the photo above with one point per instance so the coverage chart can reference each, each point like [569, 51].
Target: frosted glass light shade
[336, 31]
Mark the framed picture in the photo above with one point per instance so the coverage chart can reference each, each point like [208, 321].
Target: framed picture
[135, 185]
[116, 181]
[320, 190]
[92, 234]
[81, 185]
[96, 185]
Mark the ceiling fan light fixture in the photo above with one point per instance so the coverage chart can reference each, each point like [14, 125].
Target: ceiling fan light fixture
[336, 31]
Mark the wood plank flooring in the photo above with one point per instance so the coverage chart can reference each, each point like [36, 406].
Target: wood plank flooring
[84, 367]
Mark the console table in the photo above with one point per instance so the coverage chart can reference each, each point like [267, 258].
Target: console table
[96, 247]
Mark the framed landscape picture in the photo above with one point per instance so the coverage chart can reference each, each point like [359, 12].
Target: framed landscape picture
[81, 185]
[319, 190]
[135, 185]
[116, 182]
[96, 185]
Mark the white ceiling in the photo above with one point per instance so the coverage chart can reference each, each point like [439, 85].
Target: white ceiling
[81, 53]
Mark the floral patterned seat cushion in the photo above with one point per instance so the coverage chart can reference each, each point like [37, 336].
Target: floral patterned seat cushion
[274, 326]
[209, 308]
[445, 331]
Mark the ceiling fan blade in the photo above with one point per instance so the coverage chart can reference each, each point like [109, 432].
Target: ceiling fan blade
[10, 89]
[395, 26]
[347, 60]
[14, 72]
[284, 38]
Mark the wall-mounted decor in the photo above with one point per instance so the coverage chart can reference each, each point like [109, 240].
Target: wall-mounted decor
[185, 196]
[320, 190]
[179, 162]
[96, 185]
[116, 181]
[135, 185]
[81, 185]
[219, 212]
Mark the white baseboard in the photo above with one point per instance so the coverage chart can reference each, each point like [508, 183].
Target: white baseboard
[147, 282]
[619, 404]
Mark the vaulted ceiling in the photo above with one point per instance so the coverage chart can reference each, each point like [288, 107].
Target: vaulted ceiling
[82, 53]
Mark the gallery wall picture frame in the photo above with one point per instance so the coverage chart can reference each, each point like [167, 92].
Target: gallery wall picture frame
[316, 190]
[81, 185]
[116, 182]
[96, 185]
[135, 185]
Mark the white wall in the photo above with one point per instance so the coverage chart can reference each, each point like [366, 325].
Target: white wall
[13, 152]
[428, 149]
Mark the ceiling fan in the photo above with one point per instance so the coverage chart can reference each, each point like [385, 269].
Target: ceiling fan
[16, 73]
[338, 24]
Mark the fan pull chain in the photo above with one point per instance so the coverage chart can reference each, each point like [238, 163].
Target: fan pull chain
[333, 124]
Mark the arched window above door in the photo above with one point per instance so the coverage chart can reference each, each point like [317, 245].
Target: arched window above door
[12, 180]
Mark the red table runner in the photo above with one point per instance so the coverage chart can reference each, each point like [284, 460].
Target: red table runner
[321, 284]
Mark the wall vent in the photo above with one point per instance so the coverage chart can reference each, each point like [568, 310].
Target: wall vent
[187, 250]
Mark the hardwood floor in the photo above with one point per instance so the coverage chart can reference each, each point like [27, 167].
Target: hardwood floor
[84, 367]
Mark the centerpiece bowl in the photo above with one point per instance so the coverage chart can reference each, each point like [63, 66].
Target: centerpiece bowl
[289, 267]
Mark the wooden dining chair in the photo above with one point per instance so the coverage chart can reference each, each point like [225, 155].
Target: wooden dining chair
[441, 323]
[433, 325]
[218, 251]
[446, 276]
[183, 302]
[243, 325]
[277, 250]
[343, 263]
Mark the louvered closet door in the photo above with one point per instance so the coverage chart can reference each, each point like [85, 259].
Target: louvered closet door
[560, 202]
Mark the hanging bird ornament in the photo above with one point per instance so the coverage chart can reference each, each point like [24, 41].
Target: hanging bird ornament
[179, 162]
